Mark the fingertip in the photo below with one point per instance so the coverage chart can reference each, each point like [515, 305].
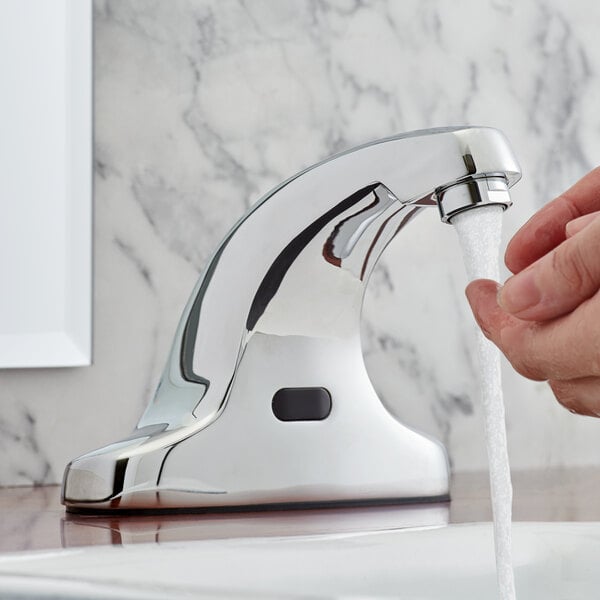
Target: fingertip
[481, 287]
[482, 296]
[521, 295]
[512, 258]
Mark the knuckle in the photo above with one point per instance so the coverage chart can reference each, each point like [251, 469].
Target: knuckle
[519, 349]
[566, 394]
[584, 349]
[565, 200]
[525, 365]
[572, 266]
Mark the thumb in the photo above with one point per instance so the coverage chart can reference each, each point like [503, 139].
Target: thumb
[559, 281]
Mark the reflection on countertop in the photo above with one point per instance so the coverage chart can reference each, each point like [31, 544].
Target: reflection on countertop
[33, 519]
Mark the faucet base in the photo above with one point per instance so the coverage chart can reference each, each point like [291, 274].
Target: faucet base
[354, 453]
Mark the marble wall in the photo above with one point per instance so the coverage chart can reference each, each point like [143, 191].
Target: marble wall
[201, 106]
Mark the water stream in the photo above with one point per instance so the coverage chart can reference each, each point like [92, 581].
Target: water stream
[479, 232]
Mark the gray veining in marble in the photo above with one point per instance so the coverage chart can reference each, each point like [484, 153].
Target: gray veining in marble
[201, 106]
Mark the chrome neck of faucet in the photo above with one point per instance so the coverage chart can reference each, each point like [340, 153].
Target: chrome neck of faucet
[297, 263]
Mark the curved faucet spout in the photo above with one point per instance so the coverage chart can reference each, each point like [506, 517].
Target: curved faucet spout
[290, 277]
[297, 263]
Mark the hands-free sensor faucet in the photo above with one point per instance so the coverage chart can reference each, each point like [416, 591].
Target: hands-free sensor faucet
[265, 398]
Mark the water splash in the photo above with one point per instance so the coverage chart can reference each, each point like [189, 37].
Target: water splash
[479, 233]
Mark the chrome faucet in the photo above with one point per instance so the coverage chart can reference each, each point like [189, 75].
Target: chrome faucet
[265, 398]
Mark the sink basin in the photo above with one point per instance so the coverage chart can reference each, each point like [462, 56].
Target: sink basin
[552, 560]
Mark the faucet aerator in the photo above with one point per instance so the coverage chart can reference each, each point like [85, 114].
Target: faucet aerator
[470, 194]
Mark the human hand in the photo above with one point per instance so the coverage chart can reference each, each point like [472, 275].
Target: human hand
[546, 317]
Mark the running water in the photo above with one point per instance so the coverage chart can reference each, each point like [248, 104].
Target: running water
[479, 232]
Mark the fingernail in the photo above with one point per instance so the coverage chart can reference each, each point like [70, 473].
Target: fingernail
[519, 293]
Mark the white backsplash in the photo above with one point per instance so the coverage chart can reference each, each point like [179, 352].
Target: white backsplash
[202, 106]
